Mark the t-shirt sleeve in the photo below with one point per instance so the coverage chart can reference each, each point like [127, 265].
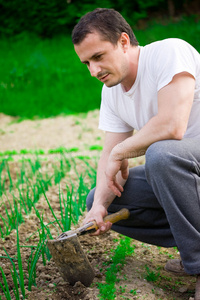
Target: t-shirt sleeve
[109, 119]
[174, 56]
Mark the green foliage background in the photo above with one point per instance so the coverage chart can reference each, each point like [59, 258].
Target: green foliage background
[50, 18]
[41, 75]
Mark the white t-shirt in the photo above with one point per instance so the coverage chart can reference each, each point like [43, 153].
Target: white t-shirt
[158, 62]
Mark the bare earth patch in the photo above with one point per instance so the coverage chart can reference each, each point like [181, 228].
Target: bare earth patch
[81, 131]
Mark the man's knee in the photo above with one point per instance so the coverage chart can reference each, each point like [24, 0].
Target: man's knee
[90, 199]
[159, 157]
[157, 152]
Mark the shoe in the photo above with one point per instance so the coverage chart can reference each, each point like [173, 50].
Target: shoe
[175, 266]
[197, 289]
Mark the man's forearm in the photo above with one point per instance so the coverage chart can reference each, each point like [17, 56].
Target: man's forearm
[103, 195]
[155, 130]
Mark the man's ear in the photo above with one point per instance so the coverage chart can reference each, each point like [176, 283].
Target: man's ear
[124, 41]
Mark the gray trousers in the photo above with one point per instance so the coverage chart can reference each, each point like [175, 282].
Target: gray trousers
[163, 197]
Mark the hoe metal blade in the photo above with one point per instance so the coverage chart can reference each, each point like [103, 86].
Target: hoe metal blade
[71, 261]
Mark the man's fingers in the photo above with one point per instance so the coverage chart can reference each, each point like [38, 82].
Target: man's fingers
[116, 188]
[125, 173]
[96, 214]
[103, 228]
[125, 169]
[111, 172]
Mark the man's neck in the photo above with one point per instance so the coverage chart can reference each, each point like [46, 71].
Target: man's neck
[134, 60]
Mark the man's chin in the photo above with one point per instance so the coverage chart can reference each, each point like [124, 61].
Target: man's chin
[111, 84]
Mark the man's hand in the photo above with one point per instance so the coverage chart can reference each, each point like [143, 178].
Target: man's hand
[97, 213]
[113, 167]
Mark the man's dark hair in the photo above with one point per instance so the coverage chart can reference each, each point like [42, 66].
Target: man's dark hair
[107, 22]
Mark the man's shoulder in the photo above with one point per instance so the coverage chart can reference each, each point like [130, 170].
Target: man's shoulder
[169, 42]
[168, 49]
[162, 48]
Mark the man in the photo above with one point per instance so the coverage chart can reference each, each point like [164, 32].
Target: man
[156, 90]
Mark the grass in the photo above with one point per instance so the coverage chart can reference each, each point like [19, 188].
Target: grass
[44, 78]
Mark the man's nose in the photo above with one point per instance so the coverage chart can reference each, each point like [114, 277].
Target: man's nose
[94, 69]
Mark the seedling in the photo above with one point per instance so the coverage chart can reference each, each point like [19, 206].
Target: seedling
[26, 187]
[117, 262]
[95, 147]
[133, 292]
[151, 275]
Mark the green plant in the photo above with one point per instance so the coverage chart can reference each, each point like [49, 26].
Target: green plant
[107, 291]
[40, 250]
[124, 248]
[95, 147]
[17, 276]
[21, 272]
[4, 286]
[30, 184]
[13, 216]
[151, 275]
[122, 289]
[134, 292]
[27, 184]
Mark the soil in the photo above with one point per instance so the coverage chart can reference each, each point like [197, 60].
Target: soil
[81, 131]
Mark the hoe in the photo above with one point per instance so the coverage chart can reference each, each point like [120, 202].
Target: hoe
[69, 256]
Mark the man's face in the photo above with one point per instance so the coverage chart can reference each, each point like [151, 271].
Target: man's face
[105, 61]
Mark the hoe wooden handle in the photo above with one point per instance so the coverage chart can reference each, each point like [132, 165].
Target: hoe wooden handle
[118, 216]
[113, 218]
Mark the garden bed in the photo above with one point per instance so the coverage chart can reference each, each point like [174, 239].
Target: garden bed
[60, 157]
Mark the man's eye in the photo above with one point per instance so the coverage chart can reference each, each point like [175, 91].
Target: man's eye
[98, 57]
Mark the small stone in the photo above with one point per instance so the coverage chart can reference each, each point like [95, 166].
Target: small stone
[47, 276]
[40, 268]
[62, 283]
[183, 289]
[27, 292]
[51, 285]
[58, 280]
[78, 284]
[98, 275]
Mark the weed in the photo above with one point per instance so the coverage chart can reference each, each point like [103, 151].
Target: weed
[107, 291]
[117, 261]
[122, 289]
[151, 275]
[134, 292]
